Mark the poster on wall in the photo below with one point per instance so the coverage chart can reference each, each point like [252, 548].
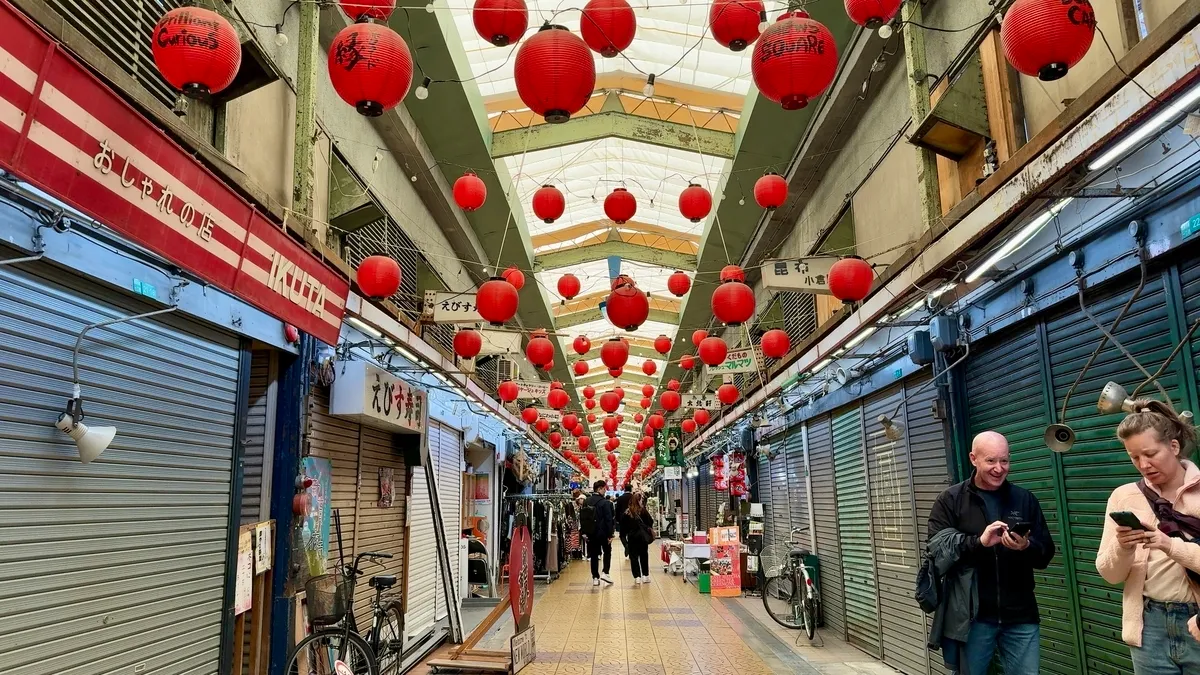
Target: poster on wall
[668, 446]
[262, 547]
[482, 487]
[242, 596]
[317, 513]
[726, 562]
[386, 487]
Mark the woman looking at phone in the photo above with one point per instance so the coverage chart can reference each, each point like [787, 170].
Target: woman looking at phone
[1152, 552]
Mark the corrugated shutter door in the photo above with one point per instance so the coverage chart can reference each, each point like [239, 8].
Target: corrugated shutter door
[797, 486]
[895, 538]
[380, 529]
[825, 510]
[854, 531]
[1003, 377]
[928, 449]
[337, 440]
[764, 496]
[449, 464]
[1098, 463]
[707, 506]
[780, 505]
[117, 563]
[257, 425]
[422, 581]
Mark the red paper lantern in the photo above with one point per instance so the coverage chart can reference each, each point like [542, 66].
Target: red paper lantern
[713, 350]
[508, 391]
[558, 399]
[1045, 38]
[639, 417]
[770, 191]
[549, 204]
[610, 425]
[360, 10]
[470, 192]
[872, 13]
[515, 277]
[582, 345]
[701, 416]
[609, 402]
[679, 283]
[614, 353]
[589, 403]
[620, 206]
[850, 279]
[662, 344]
[612, 443]
[688, 426]
[589, 392]
[673, 385]
[733, 273]
[687, 362]
[370, 67]
[695, 203]
[646, 403]
[577, 430]
[776, 343]
[542, 425]
[615, 372]
[540, 350]
[734, 23]
[607, 26]
[467, 343]
[500, 22]
[657, 421]
[591, 418]
[727, 394]
[568, 286]
[647, 390]
[627, 307]
[584, 442]
[733, 303]
[378, 276]
[619, 392]
[555, 439]
[554, 73]
[671, 400]
[698, 336]
[794, 61]
[530, 414]
[581, 368]
[198, 52]
[496, 301]
[649, 367]
[570, 421]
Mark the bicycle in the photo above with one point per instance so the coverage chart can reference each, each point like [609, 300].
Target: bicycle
[335, 646]
[782, 579]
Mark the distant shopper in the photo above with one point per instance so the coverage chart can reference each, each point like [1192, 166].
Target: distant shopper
[637, 530]
[1156, 559]
[596, 522]
[620, 507]
[998, 534]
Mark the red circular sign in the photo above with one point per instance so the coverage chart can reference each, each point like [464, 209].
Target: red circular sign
[520, 576]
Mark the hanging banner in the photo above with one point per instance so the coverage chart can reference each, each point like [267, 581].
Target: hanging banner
[533, 389]
[550, 415]
[374, 397]
[744, 360]
[702, 401]
[446, 307]
[668, 446]
[314, 527]
[810, 275]
[499, 342]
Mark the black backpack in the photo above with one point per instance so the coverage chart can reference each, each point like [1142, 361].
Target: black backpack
[587, 516]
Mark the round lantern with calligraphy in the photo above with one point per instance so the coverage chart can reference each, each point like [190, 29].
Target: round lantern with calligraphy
[196, 50]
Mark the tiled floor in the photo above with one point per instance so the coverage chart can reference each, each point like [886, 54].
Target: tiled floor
[665, 628]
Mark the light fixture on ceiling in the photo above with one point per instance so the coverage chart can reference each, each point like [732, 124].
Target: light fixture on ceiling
[281, 38]
[422, 90]
[861, 337]
[363, 327]
[1018, 240]
[1174, 109]
[648, 90]
[886, 31]
[821, 366]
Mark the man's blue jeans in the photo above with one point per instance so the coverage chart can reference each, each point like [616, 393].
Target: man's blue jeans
[1167, 646]
[1017, 642]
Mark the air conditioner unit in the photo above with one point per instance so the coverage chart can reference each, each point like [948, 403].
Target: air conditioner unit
[507, 369]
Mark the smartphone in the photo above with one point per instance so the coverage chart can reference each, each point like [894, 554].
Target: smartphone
[1127, 519]
[1020, 529]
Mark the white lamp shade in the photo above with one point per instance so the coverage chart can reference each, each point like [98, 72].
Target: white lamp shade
[91, 441]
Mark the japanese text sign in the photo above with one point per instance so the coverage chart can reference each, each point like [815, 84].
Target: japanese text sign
[805, 274]
[703, 401]
[377, 398]
[443, 307]
[736, 361]
[533, 389]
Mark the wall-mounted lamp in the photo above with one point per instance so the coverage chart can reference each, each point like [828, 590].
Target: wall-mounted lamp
[891, 429]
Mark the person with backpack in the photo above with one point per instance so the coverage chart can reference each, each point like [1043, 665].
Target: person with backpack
[637, 531]
[597, 523]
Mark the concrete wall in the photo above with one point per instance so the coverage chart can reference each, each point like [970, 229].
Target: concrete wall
[1157, 11]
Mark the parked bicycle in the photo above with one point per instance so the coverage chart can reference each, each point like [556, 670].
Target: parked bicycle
[335, 646]
[789, 587]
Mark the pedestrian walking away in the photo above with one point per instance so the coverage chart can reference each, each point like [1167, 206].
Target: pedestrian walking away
[598, 523]
[637, 531]
[621, 505]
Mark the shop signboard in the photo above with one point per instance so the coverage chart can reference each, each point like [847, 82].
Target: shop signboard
[523, 647]
[499, 342]
[445, 307]
[372, 396]
[520, 577]
[672, 473]
[533, 389]
[701, 400]
[668, 446]
[810, 275]
[67, 133]
[550, 414]
[569, 442]
[744, 360]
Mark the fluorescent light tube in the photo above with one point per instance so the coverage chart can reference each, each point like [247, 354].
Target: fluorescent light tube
[1018, 240]
[363, 326]
[858, 339]
[1174, 109]
[821, 366]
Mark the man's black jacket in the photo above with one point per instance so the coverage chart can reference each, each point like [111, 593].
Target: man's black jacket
[622, 506]
[605, 521]
[1004, 576]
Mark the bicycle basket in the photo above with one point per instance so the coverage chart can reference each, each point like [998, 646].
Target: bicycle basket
[329, 597]
[770, 562]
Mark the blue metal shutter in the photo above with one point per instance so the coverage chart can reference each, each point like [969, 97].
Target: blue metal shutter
[825, 511]
[854, 531]
[117, 566]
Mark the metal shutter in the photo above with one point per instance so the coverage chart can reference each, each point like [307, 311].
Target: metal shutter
[337, 440]
[895, 538]
[854, 531]
[422, 581]
[764, 496]
[448, 461]
[781, 520]
[116, 566]
[825, 511]
[708, 505]
[928, 450]
[260, 432]
[379, 529]
[797, 494]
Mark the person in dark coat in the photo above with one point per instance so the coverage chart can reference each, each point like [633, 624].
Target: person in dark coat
[601, 535]
[621, 506]
[637, 530]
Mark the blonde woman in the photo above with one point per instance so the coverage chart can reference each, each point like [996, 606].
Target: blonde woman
[1147, 543]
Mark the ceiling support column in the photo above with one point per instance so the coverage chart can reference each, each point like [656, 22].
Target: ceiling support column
[307, 46]
[918, 103]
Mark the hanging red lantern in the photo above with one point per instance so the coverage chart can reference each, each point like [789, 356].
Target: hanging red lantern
[361, 10]
[727, 394]
[657, 421]
[496, 301]
[582, 345]
[733, 273]
[649, 367]
[620, 206]
[638, 418]
[850, 279]
[542, 425]
[734, 23]
[591, 418]
[695, 203]
[794, 61]
[568, 286]
[570, 421]
[733, 303]
[701, 416]
[776, 343]
[197, 51]
[647, 390]
[673, 385]
[648, 441]
[671, 400]
[515, 277]
[584, 442]
[612, 459]
[770, 191]
[662, 344]
[687, 362]
[540, 350]
[558, 399]
[612, 443]
[581, 368]
[679, 283]
[467, 343]
[1046, 38]
[500, 22]
[609, 402]
[508, 391]
[610, 425]
[627, 307]
[607, 26]
[646, 403]
[872, 14]
[470, 192]
[688, 426]
[589, 403]
[530, 414]
[698, 336]
[614, 353]
[589, 392]
[619, 392]
[615, 372]
[378, 276]
[370, 67]
[555, 440]
[713, 350]
[554, 73]
[549, 204]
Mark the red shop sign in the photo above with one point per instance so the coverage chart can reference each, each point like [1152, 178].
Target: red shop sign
[520, 575]
[64, 131]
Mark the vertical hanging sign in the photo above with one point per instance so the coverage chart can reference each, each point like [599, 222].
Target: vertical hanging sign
[668, 446]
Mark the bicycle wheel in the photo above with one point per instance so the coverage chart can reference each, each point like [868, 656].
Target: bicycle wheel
[319, 654]
[779, 597]
[808, 614]
[391, 640]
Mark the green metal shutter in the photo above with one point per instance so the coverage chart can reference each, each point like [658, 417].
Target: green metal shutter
[825, 510]
[797, 493]
[780, 482]
[116, 566]
[1097, 464]
[1004, 392]
[764, 497]
[854, 531]
[895, 538]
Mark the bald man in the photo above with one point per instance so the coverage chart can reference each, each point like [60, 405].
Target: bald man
[1004, 540]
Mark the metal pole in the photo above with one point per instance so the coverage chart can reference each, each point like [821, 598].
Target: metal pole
[307, 58]
[918, 104]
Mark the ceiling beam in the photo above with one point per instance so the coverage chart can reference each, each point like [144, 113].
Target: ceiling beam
[635, 232]
[622, 249]
[591, 301]
[601, 377]
[634, 350]
[687, 94]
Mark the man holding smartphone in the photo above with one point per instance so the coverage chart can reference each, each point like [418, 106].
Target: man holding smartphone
[1007, 539]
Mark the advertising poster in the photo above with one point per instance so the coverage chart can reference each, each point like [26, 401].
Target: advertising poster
[725, 563]
[386, 487]
[319, 513]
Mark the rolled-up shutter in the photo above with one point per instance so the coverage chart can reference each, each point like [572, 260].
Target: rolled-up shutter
[797, 493]
[854, 531]
[380, 529]
[446, 450]
[115, 566]
[422, 583]
[336, 439]
[260, 428]
[829, 550]
[764, 497]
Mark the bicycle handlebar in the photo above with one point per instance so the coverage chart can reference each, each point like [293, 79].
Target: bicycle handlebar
[356, 569]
